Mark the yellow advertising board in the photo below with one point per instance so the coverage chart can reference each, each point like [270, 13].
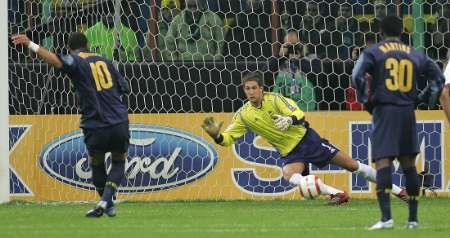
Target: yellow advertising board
[170, 158]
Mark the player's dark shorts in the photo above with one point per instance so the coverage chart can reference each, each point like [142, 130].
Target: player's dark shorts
[312, 149]
[115, 138]
[394, 132]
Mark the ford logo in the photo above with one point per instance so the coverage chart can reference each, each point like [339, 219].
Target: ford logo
[158, 158]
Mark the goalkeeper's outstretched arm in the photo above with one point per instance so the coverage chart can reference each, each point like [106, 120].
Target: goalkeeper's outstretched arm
[234, 131]
[45, 54]
[363, 65]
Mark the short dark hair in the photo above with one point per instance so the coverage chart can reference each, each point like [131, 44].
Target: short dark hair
[253, 76]
[77, 40]
[391, 26]
[371, 37]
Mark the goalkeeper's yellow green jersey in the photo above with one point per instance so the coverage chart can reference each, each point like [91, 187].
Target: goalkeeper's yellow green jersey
[260, 121]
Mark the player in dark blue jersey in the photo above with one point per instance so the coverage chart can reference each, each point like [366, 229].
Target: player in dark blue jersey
[104, 121]
[390, 97]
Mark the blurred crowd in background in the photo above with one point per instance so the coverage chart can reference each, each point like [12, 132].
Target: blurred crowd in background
[310, 45]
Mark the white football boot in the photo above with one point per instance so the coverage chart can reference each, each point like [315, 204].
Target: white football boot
[389, 224]
[412, 225]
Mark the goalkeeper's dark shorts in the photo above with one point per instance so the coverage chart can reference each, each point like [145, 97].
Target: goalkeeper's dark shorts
[115, 138]
[312, 149]
[394, 132]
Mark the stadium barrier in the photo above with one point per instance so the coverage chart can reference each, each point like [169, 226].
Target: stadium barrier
[169, 160]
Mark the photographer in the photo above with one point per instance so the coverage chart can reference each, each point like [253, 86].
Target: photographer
[290, 81]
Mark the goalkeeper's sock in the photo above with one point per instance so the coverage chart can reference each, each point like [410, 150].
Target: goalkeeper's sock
[367, 172]
[384, 186]
[412, 188]
[328, 190]
[370, 173]
[295, 179]
[396, 189]
[99, 177]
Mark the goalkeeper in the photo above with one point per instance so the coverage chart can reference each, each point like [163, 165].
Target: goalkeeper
[283, 125]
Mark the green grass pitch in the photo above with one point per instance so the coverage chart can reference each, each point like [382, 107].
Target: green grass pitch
[234, 219]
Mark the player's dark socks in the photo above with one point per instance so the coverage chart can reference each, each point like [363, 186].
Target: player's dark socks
[412, 204]
[384, 186]
[110, 203]
[117, 172]
[99, 177]
[412, 188]
[110, 190]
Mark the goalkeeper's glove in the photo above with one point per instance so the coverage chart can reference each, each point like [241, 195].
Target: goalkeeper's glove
[212, 127]
[282, 123]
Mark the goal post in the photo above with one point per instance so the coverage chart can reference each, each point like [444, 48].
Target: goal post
[4, 111]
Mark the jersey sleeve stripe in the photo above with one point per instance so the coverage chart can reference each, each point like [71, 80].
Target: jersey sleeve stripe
[288, 105]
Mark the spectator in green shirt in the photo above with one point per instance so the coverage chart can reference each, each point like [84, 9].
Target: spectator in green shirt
[195, 34]
[290, 81]
[101, 40]
[169, 10]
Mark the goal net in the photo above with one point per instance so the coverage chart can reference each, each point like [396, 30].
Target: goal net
[184, 61]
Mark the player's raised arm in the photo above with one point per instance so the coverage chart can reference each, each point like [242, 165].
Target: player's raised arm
[46, 55]
[363, 65]
[433, 74]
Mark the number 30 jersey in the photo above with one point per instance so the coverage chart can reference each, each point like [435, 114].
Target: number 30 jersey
[99, 87]
[396, 71]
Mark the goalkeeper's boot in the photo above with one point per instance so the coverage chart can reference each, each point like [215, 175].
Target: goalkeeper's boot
[389, 224]
[412, 225]
[339, 198]
[110, 209]
[98, 210]
[402, 195]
